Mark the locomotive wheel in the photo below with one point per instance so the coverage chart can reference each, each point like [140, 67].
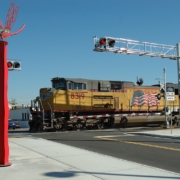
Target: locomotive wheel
[40, 125]
[110, 122]
[36, 124]
[79, 125]
[32, 129]
[88, 127]
[33, 126]
[123, 121]
[57, 125]
[100, 124]
[174, 121]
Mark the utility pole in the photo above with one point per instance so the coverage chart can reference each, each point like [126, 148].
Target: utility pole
[167, 123]
[165, 98]
[178, 68]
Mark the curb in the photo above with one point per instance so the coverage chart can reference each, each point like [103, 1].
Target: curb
[155, 135]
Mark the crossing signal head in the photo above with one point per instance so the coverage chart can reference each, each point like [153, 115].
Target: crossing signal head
[110, 42]
[158, 96]
[13, 65]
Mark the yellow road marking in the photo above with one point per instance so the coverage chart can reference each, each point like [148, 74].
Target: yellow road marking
[136, 143]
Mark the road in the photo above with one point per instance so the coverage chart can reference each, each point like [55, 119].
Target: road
[120, 143]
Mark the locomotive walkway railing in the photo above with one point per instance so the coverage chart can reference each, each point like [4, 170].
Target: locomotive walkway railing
[114, 115]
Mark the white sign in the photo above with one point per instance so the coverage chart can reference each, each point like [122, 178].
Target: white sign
[170, 98]
[169, 89]
[170, 93]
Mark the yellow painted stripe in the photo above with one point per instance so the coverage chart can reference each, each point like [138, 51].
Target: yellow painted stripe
[136, 143]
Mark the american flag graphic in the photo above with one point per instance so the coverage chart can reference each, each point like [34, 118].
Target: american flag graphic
[139, 98]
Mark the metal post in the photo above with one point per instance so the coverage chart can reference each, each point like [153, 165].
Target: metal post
[167, 123]
[171, 116]
[178, 66]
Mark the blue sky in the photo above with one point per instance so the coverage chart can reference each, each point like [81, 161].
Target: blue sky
[57, 41]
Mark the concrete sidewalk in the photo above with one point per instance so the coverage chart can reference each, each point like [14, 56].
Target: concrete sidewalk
[40, 159]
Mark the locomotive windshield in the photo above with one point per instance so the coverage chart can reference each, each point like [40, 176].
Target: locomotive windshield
[59, 85]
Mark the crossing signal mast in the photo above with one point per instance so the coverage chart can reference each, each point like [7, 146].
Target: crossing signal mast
[128, 46]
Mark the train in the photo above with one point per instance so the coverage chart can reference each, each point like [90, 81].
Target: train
[76, 103]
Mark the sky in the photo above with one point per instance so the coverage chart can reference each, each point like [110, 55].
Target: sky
[57, 41]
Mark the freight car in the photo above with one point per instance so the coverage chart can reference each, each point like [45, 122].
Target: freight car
[85, 103]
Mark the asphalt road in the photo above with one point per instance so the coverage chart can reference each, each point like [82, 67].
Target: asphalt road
[120, 143]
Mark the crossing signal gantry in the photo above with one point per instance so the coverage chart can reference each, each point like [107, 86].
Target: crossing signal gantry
[128, 46]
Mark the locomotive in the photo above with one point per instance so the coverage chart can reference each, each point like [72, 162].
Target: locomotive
[84, 103]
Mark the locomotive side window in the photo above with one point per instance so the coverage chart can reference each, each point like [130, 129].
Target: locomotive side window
[176, 91]
[116, 86]
[79, 86]
[76, 86]
[69, 85]
[84, 86]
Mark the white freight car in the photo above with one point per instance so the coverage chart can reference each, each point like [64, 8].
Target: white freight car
[23, 115]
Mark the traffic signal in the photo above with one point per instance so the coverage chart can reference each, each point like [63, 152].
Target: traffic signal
[14, 65]
[106, 42]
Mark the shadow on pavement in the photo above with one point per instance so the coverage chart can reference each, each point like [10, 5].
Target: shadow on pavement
[68, 174]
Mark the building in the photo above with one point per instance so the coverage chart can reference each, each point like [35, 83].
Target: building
[20, 114]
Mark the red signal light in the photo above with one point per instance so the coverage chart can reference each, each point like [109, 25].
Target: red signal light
[9, 64]
[111, 42]
[102, 41]
[16, 65]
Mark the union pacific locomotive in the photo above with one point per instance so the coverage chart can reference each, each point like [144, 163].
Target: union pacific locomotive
[84, 103]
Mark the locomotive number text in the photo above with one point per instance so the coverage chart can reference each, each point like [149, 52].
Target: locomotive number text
[77, 95]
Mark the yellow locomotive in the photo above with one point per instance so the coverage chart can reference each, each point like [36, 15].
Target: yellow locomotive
[85, 103]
